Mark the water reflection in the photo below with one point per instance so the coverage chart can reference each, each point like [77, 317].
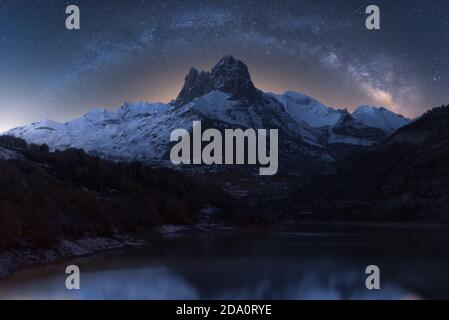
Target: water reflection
[250, 266]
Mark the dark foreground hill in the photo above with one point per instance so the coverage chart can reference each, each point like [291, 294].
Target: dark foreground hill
[405, 178]
[47, 196]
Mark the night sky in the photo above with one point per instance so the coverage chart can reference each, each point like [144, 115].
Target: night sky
[139, 50]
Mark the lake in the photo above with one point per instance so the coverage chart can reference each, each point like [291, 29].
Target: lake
[297, 262]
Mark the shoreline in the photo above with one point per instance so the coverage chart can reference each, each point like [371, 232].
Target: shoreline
[17, 259]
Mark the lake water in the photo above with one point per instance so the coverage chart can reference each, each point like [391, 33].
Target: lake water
[307, 262]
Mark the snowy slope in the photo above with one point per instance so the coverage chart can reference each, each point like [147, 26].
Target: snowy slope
[380, 118]
[142, 131]
[309, 110]
[6, 154]
[134, 131]
[316, 114]
[219, 106]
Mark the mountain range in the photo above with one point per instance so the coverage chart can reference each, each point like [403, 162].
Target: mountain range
[58, 183]
[369, 164]
[225, 97]
[404, 178]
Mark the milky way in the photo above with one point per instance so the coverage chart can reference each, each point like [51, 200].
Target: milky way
[141, 50]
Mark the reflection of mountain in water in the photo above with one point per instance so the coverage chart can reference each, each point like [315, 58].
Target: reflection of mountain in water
[329, 264]
[164, 283]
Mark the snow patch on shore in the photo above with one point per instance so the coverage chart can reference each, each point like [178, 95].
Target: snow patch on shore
[13, 259]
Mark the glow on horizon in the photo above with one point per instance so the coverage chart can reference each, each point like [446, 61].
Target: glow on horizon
[166, 93]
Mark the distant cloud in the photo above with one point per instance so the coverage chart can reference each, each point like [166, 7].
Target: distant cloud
[331, 60]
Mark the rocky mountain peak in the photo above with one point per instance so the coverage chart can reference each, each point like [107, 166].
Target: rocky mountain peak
[196, 84]
[228, 75]
[346, 119]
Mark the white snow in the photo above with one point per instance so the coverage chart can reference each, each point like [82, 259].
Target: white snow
[10, 260]
[309, 110]
[129, 110]
[7, 154]
[134, 131]
[380, 118]
[316, 114]
[216, 105]
[141, 131]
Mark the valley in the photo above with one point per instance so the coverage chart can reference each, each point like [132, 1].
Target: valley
[109, 174]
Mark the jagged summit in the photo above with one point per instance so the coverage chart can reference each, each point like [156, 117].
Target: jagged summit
[229, 75]
[346, 119]
[350, 128]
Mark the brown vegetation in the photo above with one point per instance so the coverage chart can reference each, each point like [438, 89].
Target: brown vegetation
[45, 196]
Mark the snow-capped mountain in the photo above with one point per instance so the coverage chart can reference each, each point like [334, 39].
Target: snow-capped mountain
[303, 108]
[225, 97]
[136, 131]
[380, 118]
[349, 130]
[316, 114]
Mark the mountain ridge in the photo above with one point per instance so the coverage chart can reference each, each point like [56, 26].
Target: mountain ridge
[404, 178]
[225, 97]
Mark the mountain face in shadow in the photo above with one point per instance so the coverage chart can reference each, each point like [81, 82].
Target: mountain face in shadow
[402, 179]
[229, 75]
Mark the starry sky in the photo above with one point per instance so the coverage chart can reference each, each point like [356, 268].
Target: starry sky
[141, 50]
